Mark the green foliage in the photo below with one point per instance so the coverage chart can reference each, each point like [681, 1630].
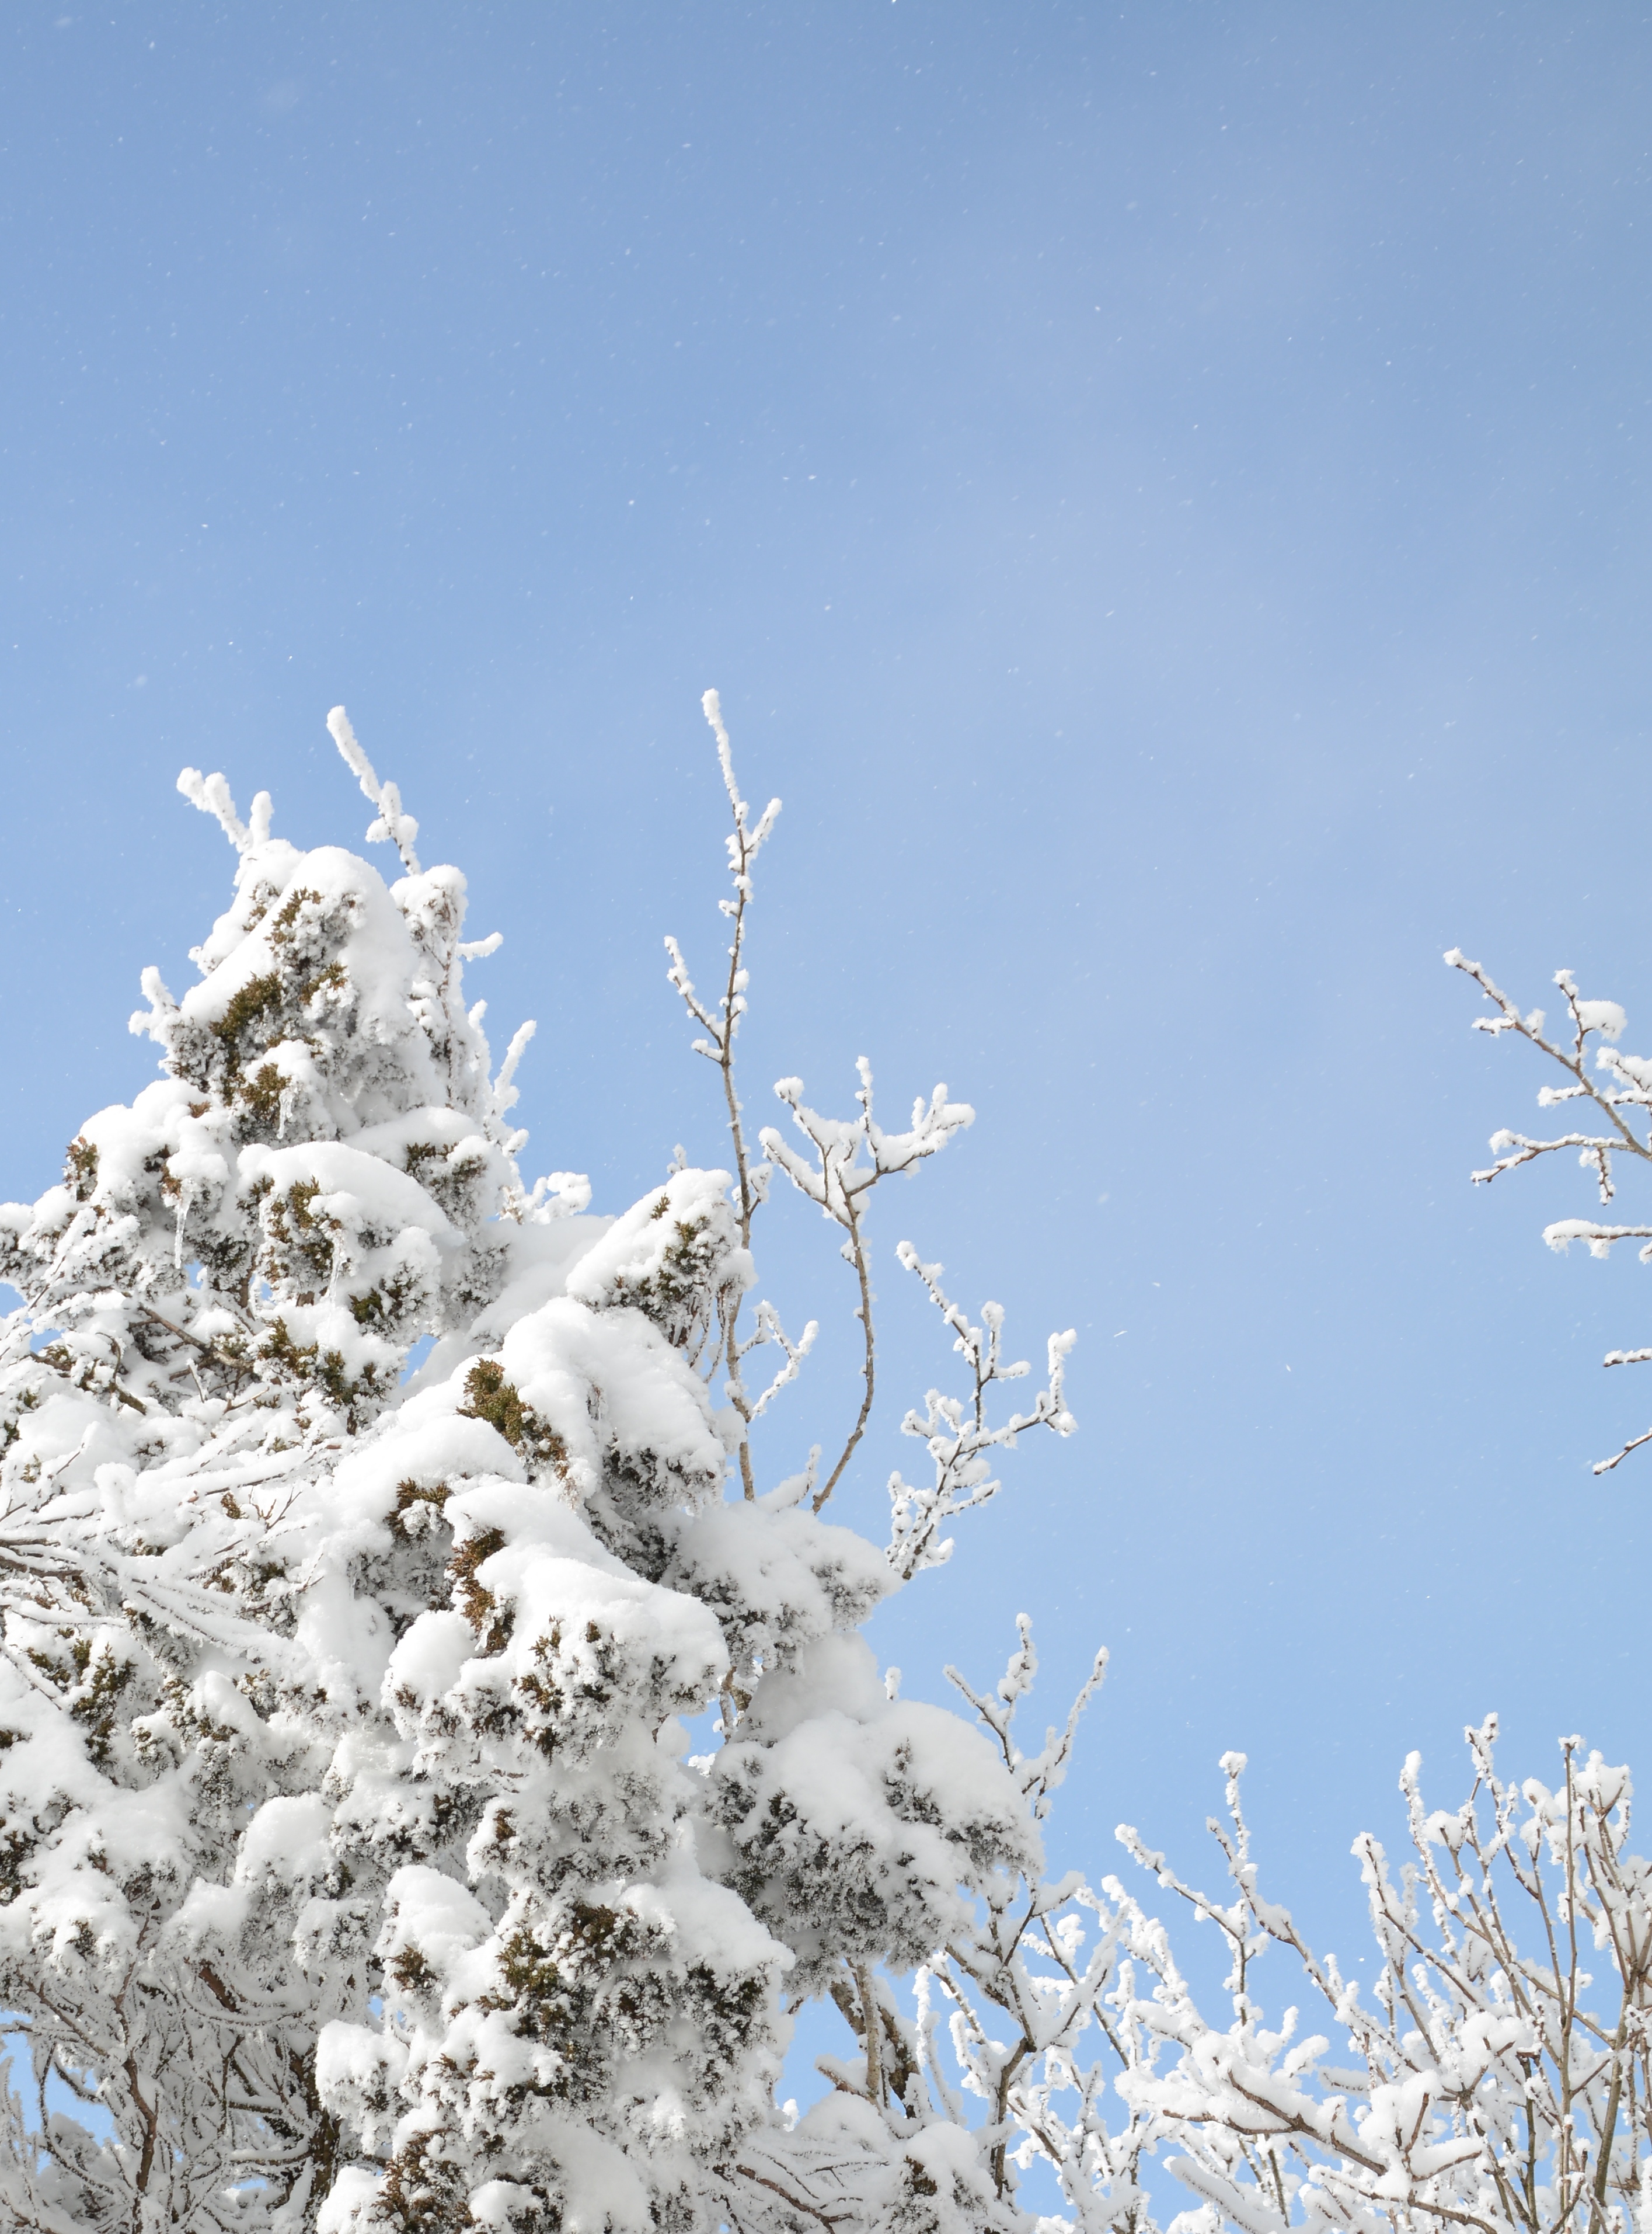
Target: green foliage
[495, 1398]
[79, 1171]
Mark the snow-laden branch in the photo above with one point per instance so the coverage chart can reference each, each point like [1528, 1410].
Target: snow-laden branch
[837, 1178]
[1616, 1085]
[770, 1329]
[212, 796]
[957, 1431]
[721, 1025]
[1041, 1773]
[392, 823]
[1040, 2020]
[745, 841]
[1484, 2086]
[851, 1155]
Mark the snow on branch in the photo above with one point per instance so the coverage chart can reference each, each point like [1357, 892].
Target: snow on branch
[747, 838]
[955, 1429]
[721, 1027]
[839, 1182]
[837, 1179]
[393, 823]
[156, 1020]
[506, 1093]
[557, 1194]
[722, 1024]
[1039, 1774]
[212, 794]
[1492, 2085]
[1615, 1085]
[770, 1329]
[1025, 1991]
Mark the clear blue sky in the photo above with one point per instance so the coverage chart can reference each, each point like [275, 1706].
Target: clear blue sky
[1161, 492]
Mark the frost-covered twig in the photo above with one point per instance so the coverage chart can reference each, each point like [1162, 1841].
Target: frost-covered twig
[1040, 1775]
[744, 842]
[1627, 1085]
[1486, 2092]
[849, 1156]
[770, 1329]
[957, 1431]
[1026, 1961]
[838, 1181]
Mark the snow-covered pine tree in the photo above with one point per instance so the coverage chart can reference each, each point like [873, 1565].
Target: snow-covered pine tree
[351, 1873]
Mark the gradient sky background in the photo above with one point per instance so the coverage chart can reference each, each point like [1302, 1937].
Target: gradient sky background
[1160, 490]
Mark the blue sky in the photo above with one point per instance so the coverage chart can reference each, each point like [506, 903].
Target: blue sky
[1160, 492]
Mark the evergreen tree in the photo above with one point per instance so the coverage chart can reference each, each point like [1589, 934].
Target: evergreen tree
[354, 1874]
